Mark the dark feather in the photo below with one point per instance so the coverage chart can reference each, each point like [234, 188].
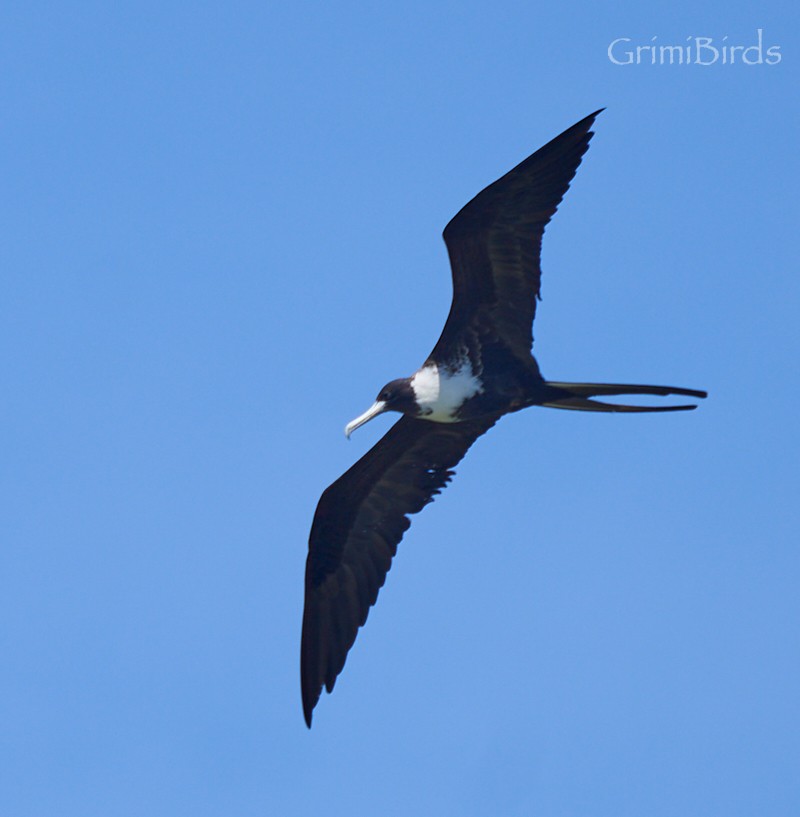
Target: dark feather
[495, 241]
[359, 521]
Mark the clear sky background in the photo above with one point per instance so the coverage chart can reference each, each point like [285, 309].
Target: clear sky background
[221, 234]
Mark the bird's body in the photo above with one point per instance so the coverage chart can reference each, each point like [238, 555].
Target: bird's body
[442, 392]
[480, 369]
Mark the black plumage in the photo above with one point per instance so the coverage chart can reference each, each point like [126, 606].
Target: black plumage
[494, 245]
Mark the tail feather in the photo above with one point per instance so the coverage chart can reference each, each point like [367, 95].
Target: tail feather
[575, 396]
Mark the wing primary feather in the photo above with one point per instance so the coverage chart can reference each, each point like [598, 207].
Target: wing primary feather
[494, 243]
[360, 520]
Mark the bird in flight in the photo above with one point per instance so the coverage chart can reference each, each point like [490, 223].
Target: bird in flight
[480, 369]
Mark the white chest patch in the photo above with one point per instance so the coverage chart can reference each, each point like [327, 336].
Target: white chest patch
[441, 393]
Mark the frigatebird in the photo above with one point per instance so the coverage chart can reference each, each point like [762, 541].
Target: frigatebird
[480, 369]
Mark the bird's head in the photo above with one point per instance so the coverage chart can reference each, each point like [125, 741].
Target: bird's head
[395, 396]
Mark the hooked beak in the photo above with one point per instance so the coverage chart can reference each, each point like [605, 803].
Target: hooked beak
[373, 411]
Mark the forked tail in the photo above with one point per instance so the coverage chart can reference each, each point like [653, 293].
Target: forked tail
[575, 396]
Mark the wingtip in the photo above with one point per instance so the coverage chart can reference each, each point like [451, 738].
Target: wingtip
[309, 691]
[308, 710]
[584, 126]
[592, 116]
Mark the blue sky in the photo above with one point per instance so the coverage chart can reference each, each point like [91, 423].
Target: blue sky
[221, 236]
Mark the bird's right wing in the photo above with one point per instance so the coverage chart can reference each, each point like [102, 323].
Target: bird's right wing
[359, 521]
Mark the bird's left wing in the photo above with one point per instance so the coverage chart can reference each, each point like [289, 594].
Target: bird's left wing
[495, 240]
[359, 521]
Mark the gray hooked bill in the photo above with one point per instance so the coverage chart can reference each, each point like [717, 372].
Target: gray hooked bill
[373, 411]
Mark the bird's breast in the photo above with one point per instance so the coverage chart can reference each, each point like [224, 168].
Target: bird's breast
[440, 391]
